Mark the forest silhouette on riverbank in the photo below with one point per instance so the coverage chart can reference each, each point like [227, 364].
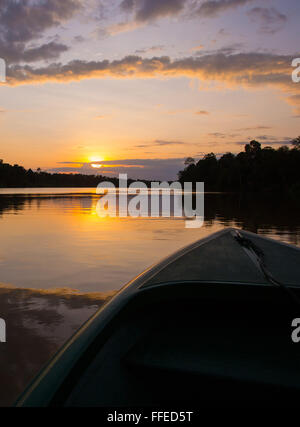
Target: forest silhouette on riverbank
[255, 169]
[18, 177]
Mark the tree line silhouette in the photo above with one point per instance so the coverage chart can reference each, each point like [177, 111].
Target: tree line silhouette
[254, 170]
[17, 176]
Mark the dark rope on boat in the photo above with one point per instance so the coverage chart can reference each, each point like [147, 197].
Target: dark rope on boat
[260, 257]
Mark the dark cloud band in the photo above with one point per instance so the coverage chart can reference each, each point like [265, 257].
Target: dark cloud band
[22, 22]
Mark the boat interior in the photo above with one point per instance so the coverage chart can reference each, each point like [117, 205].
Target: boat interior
[208, 344]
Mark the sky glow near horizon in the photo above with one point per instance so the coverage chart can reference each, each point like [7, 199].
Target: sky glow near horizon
[136, 86]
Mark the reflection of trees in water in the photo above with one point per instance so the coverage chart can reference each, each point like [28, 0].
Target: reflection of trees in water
[268, 213]
[11, 204]
[250, 212]
[15, 204]
[38, 323]
[254, 213]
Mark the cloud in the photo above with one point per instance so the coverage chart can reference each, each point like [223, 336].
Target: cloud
[266, 137]
[161, 143]
[145, 11]
[197, 48]
[79, 39]
[222, 135]
[212, 8]
[46, 51]
[255, 69]
[149, 10]
[121, 27]
[186, 110]
[247, 70]
[259, 127]
[142, 12]
[152, 169]
[17, 52]
[268, 140]
[149, 49]
[202, 113]
[21, 22]
[280, 143]
[269, 20]
[230, 49]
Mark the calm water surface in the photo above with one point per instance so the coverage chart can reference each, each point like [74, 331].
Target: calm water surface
[58, 240]
[59, 262]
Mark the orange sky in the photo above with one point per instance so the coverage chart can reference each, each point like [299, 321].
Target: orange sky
[145, 81]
